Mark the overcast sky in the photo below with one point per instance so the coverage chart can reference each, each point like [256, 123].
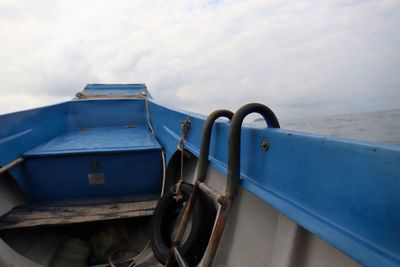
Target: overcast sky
[302, 58]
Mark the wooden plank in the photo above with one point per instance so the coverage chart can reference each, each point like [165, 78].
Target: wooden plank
[30, 216]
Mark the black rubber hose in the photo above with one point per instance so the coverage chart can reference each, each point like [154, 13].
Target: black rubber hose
[206, 140]
[234, 141]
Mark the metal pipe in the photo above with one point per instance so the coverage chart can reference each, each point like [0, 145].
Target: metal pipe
[210, 192]
[181, 261]
[11, 165]
[233, 177]
[185, 218]
[217, 232]
[201, 172]
[170, 261]
[206, 140]
[234, 141]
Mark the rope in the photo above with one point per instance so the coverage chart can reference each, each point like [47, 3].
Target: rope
[185, 125]
[110, 262]
[147, 112]
[134, 261]
[182, 148]
[137, 258]
[164, 164]
[152, 131]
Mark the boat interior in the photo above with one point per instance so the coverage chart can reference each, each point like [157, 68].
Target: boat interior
[83, 179]
[92, 172]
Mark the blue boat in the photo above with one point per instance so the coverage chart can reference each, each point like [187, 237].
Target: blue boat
[114, 178]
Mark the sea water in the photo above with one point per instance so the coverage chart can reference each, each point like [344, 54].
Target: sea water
[378, 126]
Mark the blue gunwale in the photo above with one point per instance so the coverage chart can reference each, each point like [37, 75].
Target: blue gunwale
[344, 191]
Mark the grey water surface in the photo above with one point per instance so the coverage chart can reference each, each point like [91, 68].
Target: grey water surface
[377, 126]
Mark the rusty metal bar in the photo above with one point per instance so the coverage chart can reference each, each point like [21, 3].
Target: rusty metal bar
[11, 165]
[217, 232]
[186, 217]
[201, 174]
[233, 177]
[181, 261]
[212, 193]
[170, 260]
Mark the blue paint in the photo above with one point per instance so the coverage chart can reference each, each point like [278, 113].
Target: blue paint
[21, 131]
[66, 177]
[59, 155]
[129, 158]
[105, 113]
[346, 192]
[24, 130]
[98, 140]
[343, 191]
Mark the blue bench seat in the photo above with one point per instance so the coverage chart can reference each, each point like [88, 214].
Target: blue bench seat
[95, 163]
[98, 140]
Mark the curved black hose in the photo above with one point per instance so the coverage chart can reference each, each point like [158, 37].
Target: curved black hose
[206, 139]
[234, 141]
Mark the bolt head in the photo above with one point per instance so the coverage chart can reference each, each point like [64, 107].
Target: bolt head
[265, 144]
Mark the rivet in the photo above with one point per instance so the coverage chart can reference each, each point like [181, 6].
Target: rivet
[265, 144]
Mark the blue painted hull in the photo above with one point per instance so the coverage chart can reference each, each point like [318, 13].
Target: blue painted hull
[343, 191]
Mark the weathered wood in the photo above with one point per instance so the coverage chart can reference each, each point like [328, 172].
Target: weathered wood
[34, 215]
[82, 95]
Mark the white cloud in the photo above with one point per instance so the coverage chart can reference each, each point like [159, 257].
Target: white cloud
[299, 57]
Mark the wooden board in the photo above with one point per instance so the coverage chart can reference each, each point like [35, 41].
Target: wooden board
[34, 215]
